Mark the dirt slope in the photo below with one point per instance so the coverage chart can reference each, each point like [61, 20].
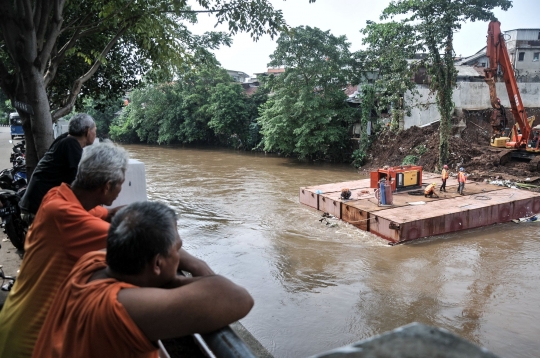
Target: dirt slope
[469, 148]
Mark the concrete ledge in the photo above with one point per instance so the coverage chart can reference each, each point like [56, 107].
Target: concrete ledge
[411, 341]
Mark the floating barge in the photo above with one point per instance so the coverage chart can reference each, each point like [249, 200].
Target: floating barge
[408, 218]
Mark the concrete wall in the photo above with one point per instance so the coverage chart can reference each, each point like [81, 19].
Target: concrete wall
[467, 95]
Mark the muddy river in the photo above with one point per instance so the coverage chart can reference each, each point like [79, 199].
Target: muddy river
[319, 286]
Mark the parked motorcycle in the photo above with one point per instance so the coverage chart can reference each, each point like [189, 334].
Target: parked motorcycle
[14, 226]
[12, 188]
[18, 151]
[14, 178]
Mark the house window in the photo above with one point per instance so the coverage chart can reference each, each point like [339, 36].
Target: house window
[483, 64]
[536, 56]
[521, 56]
[539, 35]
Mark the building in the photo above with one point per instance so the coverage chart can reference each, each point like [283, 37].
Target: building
[524, 51]
[250, 87]
[479, 59]
[271, 71]
[238, 76]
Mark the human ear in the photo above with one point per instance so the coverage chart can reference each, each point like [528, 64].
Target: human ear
[109, 186]
[157, 264]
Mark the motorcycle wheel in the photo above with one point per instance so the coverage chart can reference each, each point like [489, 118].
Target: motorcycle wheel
[16, 231]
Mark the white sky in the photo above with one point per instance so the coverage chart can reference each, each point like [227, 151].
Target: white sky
[347, 17]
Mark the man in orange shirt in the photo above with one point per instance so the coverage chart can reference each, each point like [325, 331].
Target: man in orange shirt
[430, 191]
[68, 224]
[462, 178]
[119, 303]
[444, 176]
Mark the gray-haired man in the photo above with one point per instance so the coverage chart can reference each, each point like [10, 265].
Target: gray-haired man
[59, 164]
[126, 299]
[69, 223]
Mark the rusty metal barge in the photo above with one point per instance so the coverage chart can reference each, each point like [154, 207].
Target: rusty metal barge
[410, 217]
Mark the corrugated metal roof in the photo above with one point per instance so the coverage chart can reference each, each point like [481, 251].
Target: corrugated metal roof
[467, 71]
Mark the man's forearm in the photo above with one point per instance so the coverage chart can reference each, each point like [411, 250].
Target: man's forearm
[195, 266]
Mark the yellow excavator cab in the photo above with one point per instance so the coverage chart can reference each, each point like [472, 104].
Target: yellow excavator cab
[500, 142]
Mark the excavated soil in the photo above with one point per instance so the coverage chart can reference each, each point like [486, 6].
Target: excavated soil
[469, 148]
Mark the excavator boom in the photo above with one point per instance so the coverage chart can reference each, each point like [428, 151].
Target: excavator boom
[497, 54]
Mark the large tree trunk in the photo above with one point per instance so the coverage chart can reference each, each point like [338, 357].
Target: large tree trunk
[37, 127]
[444, 100]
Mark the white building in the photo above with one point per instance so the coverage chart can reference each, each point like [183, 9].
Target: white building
[524, 50]
[238, 76]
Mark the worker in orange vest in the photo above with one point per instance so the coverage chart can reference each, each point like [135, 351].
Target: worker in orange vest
[444, 176]
[430, 191]
[462, 178]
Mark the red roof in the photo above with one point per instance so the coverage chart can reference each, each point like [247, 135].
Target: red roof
[276, 70]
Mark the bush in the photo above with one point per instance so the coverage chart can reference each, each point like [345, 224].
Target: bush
[421, 149]
[410, 160]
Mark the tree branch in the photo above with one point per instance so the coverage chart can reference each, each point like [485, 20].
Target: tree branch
[76, 89]
[27, 13]
[55, 60]
[54, 32]
[37, 13]
[95, 24]
[41, 21]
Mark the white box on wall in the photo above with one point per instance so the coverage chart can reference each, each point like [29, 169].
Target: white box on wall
[134, 187]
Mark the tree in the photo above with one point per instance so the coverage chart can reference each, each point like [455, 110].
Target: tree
[385, 75]
[229, 114]
[434, 21]
[306, 115]
[203, 106]
[386, 62]
[255, 101]
[50, 49]
[103, 110]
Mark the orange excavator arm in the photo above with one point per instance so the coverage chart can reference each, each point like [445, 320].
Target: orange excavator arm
[497, 54]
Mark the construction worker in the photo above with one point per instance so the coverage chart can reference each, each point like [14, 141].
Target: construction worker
[444, 176]
[462, 178]
[430, 191]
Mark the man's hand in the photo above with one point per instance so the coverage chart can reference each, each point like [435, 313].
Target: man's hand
[112, 212]
[195, 266]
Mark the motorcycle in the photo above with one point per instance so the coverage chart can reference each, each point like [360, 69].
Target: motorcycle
[18, 151]
[12, 188]
[14, 226]
[14, 178]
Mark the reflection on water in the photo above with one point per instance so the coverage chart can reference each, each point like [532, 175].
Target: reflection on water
[318, 287]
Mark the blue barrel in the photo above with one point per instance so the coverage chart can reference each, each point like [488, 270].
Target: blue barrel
[382, 192]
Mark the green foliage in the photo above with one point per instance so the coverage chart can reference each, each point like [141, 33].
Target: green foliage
[229, 116]
[386, 63]
[203, 106]
[103, 110]
[51, 52]
[358, 157]
[306, 115]
[410, 160]
[254, 102]
[121, 129]
[433, 23]
[367, 100]
[5, 108]
[420, 149]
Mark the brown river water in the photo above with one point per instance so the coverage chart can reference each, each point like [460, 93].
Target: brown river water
[318, 287]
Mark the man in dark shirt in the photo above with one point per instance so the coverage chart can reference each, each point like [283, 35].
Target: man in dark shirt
[59, 164]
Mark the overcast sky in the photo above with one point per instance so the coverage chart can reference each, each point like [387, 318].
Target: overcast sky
[347, 17]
